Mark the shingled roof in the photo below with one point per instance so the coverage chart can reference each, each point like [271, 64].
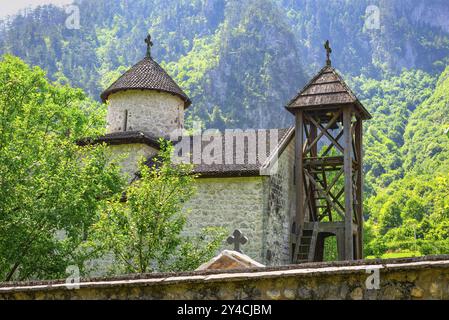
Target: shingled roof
[247, 168]
[223, 169]
[235, 169]
[124, 137]
[147, 74]
[327, 88]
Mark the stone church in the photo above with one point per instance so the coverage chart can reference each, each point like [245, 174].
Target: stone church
[249, 184]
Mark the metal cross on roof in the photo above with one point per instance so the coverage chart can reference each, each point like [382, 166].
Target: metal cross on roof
[328, 52]
[237, 239]
[149, 45]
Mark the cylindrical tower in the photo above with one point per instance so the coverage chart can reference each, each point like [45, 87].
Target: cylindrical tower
[146, 99]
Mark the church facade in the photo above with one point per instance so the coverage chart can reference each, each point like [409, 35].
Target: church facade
[247, 179]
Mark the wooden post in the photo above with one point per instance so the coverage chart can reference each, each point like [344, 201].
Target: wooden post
[313, 135]
[300, 214]
[340, 234]
[359, 194]
[313, 153]
[349, 244]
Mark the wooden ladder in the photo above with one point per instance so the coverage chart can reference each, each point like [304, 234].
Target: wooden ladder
[307, 244]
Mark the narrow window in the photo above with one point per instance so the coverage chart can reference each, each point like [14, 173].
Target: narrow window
[125, 121]
[294, 175]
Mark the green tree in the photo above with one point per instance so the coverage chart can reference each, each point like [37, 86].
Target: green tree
[144, 231]
[50, 188]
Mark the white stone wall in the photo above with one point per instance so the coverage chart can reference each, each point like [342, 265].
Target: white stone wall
[156, 112]
[261, 207]
[232, 203]
[131, 153]
[279, 189]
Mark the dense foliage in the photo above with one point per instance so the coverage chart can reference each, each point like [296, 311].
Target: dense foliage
[392, 101]
[144, 233]
[410, 210]
[47, 182]
[58, 199]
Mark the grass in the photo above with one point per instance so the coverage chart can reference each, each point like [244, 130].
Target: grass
[397, 255]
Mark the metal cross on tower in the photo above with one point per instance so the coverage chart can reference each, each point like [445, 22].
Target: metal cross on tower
[237, 239]
[328, 52]
[149, 45]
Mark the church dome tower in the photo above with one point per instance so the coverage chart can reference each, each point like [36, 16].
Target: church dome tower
[145, 99]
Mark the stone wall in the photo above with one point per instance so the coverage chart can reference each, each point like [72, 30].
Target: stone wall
[280, 196]
[261, 207]
[131, 154]
[150, 111]
[425, 278]
[232, 203]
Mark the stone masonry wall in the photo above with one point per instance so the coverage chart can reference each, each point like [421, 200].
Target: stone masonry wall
[232, 203]
[423, 278]
[132, 153]
[279, 191]
[156, 112]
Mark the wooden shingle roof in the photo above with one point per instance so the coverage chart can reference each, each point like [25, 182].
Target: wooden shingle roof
[246, 168]
[147, 74]
[222, 169]
[327, 88]
[123, 137]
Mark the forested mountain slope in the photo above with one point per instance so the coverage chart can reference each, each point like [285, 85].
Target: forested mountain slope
[239, 61]
[412, 213]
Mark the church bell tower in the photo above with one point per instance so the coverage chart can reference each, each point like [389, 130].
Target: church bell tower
[328, 167]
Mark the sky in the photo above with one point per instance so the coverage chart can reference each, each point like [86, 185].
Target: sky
[10, 7]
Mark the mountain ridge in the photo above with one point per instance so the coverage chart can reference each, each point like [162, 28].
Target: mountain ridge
[263, 51]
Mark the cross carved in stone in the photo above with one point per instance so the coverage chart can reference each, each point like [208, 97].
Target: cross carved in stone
[149, 45]
[237, 239]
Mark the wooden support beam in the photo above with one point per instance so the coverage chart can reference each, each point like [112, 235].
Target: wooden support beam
[334, 181]
[329, 147]
[337, 202]
[300, 168]
[299, 157]
[306, 144]
[328, 206]
[324, 194]
[307, 201]
[341, 244]
[359, 183]
[324, 130]
[354, 147]
[313, 145]
[313, 154]
[347, 137]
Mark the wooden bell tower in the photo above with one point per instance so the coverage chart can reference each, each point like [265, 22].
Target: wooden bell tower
[328, 168]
